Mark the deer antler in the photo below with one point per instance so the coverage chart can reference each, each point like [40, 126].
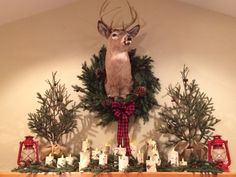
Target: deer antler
[133, 14]
[102, 12]
[102, 9]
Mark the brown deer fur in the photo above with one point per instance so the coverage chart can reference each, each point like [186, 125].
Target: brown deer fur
[117, 61]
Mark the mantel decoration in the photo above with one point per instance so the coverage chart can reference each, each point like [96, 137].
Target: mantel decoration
[218, 152]
[55, 117]
[28, 151]
[94, 97]
[189, 120]
[119, 86]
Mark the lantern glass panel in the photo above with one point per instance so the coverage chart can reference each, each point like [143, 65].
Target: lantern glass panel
[28, 155]
[219, 155]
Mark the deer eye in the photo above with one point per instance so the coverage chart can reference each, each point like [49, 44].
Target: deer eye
[114, 35]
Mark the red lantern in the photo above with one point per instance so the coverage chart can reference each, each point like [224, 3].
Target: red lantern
[28, 151]
[218, 152]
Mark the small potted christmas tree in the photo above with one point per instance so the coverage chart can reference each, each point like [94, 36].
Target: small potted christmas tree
[189, 120]
[55, 117]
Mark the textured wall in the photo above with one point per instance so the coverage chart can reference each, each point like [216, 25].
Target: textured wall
[60, 40]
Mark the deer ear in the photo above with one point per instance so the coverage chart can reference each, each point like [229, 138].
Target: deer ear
[103, 29]
[134, 31]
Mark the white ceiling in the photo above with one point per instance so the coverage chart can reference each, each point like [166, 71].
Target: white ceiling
[11, 10]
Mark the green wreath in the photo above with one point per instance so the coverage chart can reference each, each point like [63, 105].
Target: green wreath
[94, 98]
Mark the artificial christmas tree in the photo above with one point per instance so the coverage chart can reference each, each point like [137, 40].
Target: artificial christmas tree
[189, 120]
[55, 117]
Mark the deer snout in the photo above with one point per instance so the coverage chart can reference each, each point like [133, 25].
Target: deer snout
[128, 40]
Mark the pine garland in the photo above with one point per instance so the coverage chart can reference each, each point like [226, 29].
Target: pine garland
[40, 168]
[112, 166]
[94, 98]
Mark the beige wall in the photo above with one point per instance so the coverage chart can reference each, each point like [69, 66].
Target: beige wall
[60, 40]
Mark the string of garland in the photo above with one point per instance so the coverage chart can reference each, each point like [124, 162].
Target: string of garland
[40, 168]
[201, 166]
[94, 98]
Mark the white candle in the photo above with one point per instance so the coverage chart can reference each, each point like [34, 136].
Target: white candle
[119, 151]
[70, 160]
[84, 160]
[84, 157]
[123, 162]
[103, 159]
[151, 166]
[49, 160]
[95, 154]
[61, 162]
[151, 145]
[82, 165]
[86, 145]
[156, 156]
[107, 149]
[183, 163]
[173, 157]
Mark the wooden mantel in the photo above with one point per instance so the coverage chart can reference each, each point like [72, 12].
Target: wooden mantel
[117, 174]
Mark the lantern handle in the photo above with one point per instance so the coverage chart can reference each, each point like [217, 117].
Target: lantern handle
[37, 150]
[209, 150]
[227, 153]
[19, 153]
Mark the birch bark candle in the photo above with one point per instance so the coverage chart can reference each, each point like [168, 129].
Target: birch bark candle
[123, 162]
[49, 160]
[61, 162]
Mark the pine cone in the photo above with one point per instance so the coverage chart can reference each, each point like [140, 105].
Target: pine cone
[106, 103]
[99, 73]
[140, 91]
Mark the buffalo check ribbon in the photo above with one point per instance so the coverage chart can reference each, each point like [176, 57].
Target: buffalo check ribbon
[123, 112]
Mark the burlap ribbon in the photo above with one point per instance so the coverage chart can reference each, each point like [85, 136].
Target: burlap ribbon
[123, 112]
[195, 147]
[54, 149]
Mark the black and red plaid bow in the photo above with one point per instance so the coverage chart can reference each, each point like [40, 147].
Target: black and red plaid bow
[123, 112]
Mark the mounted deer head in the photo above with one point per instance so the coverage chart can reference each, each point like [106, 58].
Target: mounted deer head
[117, 62]
[118, 37]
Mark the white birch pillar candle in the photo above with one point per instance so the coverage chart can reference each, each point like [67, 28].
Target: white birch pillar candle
[49, 160]
[183, 163]
[95, 154]
[61, 162]
[107, 149]
[151, 166]
[84, 160]
[103, 159]
[156, 156]
[119, 151]
[123, 162]
[140, 157]
[173, 157]
[151, 145]
[86, 145]
[70, 160]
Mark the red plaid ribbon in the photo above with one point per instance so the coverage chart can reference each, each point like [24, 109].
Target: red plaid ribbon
[122, 112]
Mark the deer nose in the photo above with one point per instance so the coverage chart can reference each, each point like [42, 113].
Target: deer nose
[129, 38]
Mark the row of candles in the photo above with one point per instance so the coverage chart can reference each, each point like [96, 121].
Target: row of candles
[218, 152]
[86, 154]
